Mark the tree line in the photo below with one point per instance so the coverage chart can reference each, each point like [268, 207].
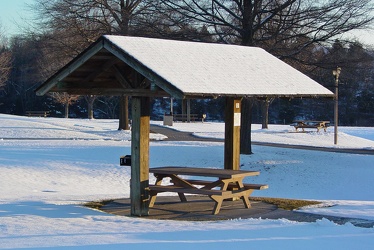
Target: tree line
[308, 35]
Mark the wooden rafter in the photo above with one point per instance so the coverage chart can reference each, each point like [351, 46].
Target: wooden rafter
[145, 83]
[96, 72]
[122, 78]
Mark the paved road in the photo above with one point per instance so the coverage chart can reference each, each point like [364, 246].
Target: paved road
[175, 135]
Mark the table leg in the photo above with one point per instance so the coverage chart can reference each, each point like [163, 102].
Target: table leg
[217, 206]
[238, 183]
[245, 198]
[180, 182]
[152, 199]
[182, 197]
[152, 194]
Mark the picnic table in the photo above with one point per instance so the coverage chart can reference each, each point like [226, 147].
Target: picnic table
[191, 117]
[311, 124]
[37, 113]
[227, 184]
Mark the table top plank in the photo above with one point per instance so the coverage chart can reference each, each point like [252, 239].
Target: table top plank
[207, 172]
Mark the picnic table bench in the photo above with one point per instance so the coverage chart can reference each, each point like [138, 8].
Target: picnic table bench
[37, 113]
[311, 124]
[183, 117]
[228, 184]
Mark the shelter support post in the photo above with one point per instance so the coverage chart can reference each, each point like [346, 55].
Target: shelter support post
[186, 109]
[139, 190]
[232, 133]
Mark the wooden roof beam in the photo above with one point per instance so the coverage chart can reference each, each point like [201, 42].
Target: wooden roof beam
[145, 83]
[115, 92]
[122, 78]
[107, 65]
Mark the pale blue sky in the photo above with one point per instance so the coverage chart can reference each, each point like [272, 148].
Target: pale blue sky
[12, 13]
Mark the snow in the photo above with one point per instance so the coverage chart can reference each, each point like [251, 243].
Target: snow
[217, 69]
[50, 166]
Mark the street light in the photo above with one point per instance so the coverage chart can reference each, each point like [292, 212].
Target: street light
[336, 74]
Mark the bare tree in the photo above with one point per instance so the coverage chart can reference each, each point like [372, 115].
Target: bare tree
[90, 99]
[5, 66]
[73, 24]
[24, 76]
[272, 22]
[65, 99]
[5, 60]
[108, 106]
[284, 27]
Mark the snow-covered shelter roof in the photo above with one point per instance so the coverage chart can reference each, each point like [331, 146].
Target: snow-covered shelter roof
[179, 69]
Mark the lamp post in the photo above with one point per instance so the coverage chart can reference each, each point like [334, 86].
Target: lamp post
[336, 74]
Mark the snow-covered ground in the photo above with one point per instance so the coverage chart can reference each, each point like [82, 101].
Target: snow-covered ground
[49, 166]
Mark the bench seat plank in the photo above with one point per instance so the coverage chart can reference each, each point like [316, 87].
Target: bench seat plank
[231, 185]
[37, 113]
[177, 189]
[184, 117]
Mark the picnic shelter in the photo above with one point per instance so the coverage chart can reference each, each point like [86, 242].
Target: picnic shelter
[144, 68]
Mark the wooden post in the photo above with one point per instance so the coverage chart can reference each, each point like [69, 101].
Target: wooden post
[139, 189]
[184, 107]
[188, 110]
[232, 133]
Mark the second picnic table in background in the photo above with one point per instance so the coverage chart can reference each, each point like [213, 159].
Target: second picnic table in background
[311, 124]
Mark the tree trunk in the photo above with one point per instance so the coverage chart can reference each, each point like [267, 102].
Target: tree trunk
[90, 103]
[265, 104]
[90, 112]
[123, 24]
[246, 126]
[265, 113]
[67, 110]
[124, 114]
